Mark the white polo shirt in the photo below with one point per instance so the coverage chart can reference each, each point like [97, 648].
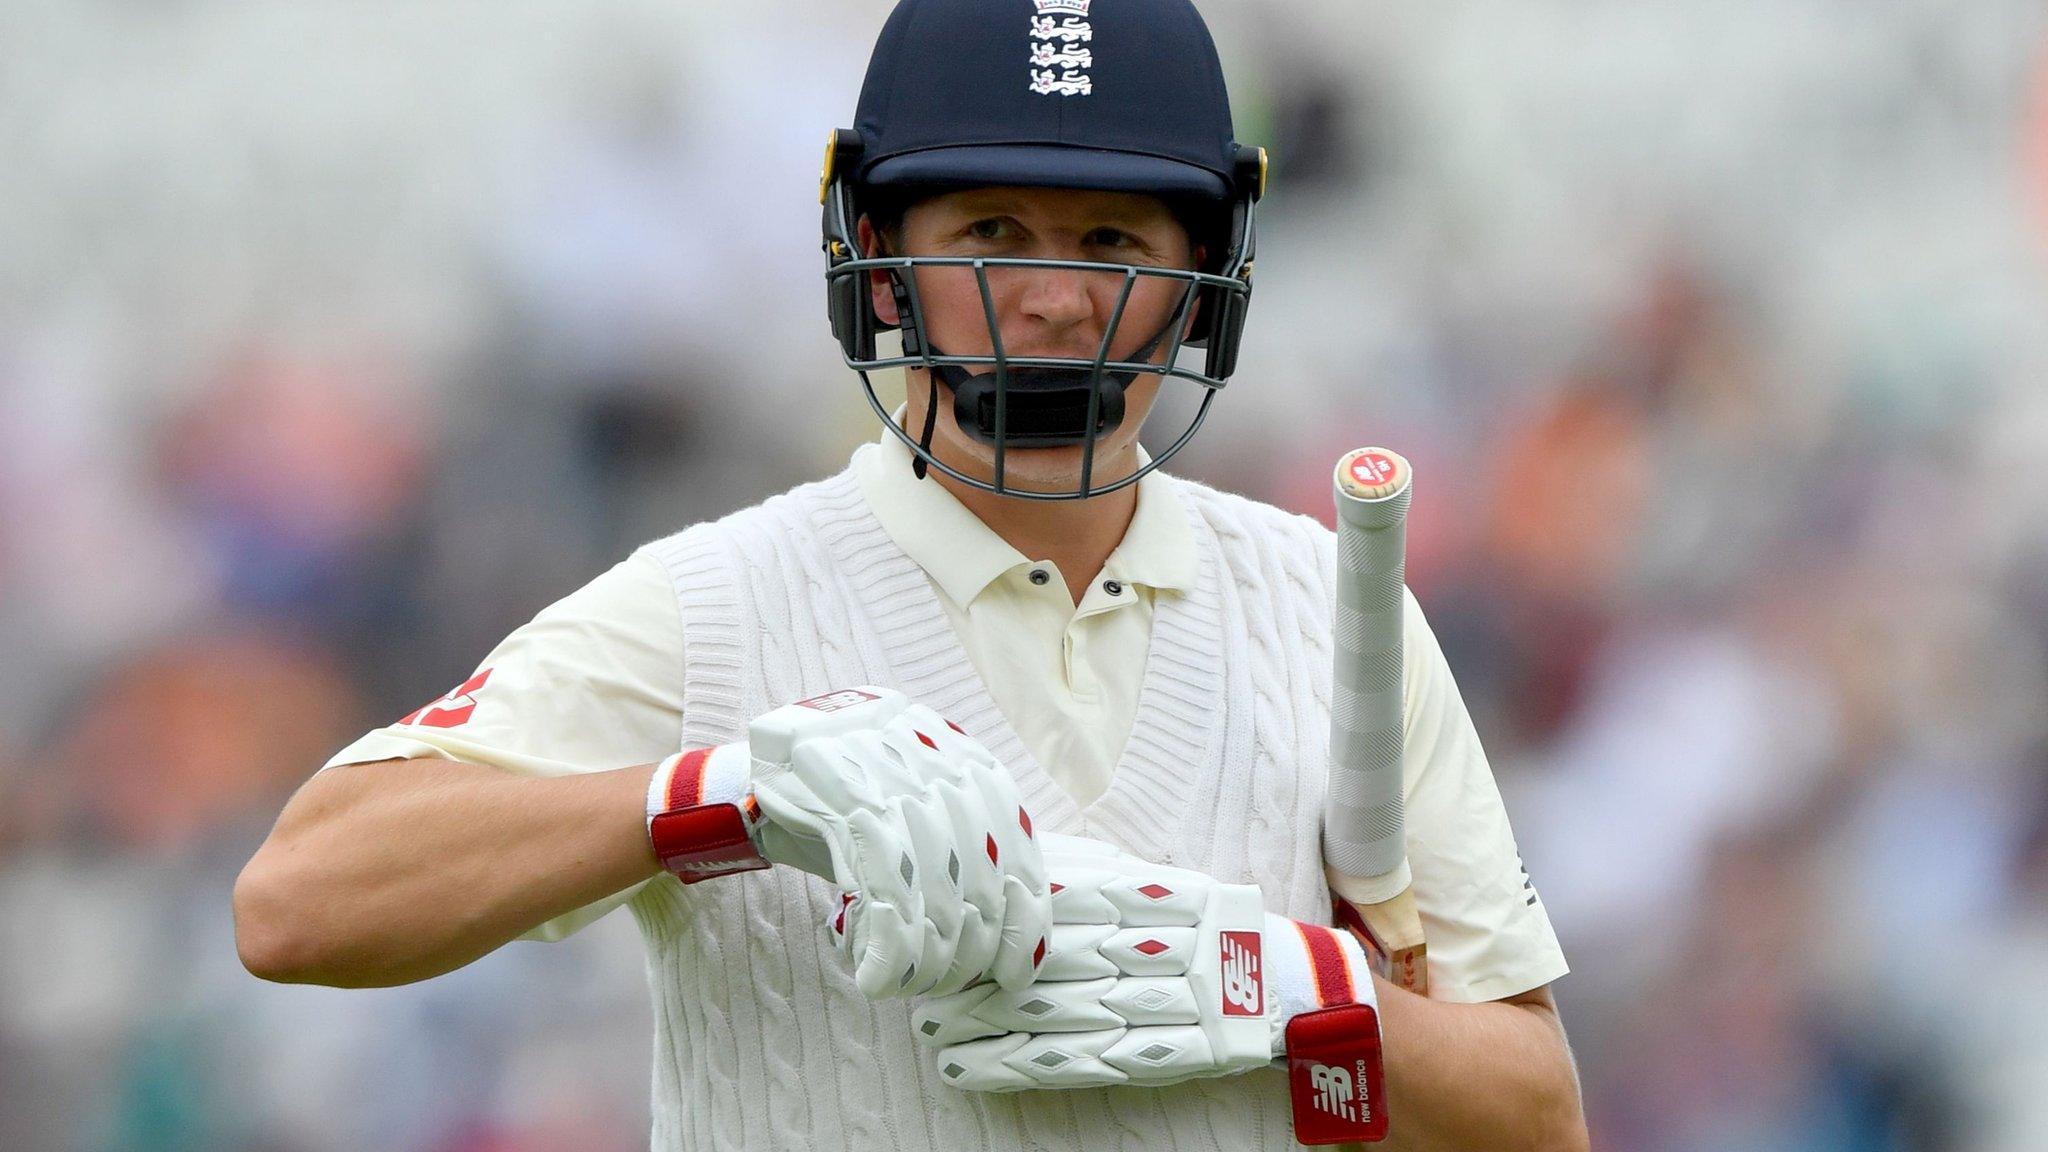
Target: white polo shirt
[1066, 676]
[591, 684]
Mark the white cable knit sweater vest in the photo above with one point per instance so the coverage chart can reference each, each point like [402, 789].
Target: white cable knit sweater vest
[761, 1040]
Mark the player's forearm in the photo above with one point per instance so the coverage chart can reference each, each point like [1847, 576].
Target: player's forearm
[1492, 1076]
[387, 873]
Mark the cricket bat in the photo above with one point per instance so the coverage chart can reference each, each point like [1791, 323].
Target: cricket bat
[1364, 828]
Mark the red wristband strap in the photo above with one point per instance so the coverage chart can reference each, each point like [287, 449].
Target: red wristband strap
[699, 841]
[1333, 1053]
[1333, 1071]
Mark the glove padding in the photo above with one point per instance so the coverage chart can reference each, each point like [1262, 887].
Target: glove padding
[1158, 975]
[920, 826]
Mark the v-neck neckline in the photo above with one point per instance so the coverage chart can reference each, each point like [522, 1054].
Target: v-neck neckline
[1171, 742]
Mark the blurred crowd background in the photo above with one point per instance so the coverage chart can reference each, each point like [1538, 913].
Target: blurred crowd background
[337, 339]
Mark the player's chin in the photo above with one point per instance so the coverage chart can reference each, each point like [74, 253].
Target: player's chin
[1056, 469]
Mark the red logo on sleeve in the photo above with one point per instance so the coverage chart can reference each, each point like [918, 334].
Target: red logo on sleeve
[452, 710]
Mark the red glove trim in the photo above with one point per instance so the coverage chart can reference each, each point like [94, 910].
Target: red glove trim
[699, 841]
[686, 783]
[1329, 964]
[1335, 1077]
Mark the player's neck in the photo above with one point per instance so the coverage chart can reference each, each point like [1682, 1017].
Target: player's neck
[1076, 535]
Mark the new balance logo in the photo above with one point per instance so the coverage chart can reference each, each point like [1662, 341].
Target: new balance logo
[1333, 1093]
[1242, 993]
[837, 701]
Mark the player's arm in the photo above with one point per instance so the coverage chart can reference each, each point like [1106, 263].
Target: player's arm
[392, 871]
[396, 871]
[485, 814]
[497, 810]
[1493, 1075]
[386, 873]
[396, 874]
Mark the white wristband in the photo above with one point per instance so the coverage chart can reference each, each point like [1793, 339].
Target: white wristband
[701, 819]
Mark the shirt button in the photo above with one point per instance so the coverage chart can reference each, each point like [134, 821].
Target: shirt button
[1040, 576]
[1113, 587]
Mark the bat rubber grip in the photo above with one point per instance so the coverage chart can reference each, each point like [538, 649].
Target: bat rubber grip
[1363, 817]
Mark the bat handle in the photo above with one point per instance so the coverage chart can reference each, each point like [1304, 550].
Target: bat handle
[1391, 931]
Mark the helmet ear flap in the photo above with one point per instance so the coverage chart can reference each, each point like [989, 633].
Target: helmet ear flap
[1219, 324]
[852, 314]
[1249, 174]
[1226, 330]
[848, 304]
[1223, 310]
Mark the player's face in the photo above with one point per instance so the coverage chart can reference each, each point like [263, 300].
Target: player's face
[1041, 312]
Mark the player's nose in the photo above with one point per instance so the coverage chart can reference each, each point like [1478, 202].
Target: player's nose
[1061, 297]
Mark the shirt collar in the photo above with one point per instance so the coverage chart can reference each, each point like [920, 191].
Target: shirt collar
[1158, 549]
[963, 556]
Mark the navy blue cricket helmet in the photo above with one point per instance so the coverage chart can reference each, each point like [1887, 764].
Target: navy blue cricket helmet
[1100, 95]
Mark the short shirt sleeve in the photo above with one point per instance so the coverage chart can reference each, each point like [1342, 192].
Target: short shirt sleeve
[592, 683]
[1489, 936]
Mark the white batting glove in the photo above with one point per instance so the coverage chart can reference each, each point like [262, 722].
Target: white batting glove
[919, 825]
[1158, 975]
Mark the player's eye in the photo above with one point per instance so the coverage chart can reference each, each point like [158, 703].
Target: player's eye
[1111, 238]
[993, 228]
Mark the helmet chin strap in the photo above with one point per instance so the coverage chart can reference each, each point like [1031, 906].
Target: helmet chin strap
[970, 388]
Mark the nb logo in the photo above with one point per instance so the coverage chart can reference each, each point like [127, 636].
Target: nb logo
[1241, 991]
[837, 701]
[1332, 1088]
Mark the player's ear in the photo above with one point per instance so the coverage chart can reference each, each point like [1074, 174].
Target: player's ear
[878, 281]
[884, 298]
[1195, 309]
